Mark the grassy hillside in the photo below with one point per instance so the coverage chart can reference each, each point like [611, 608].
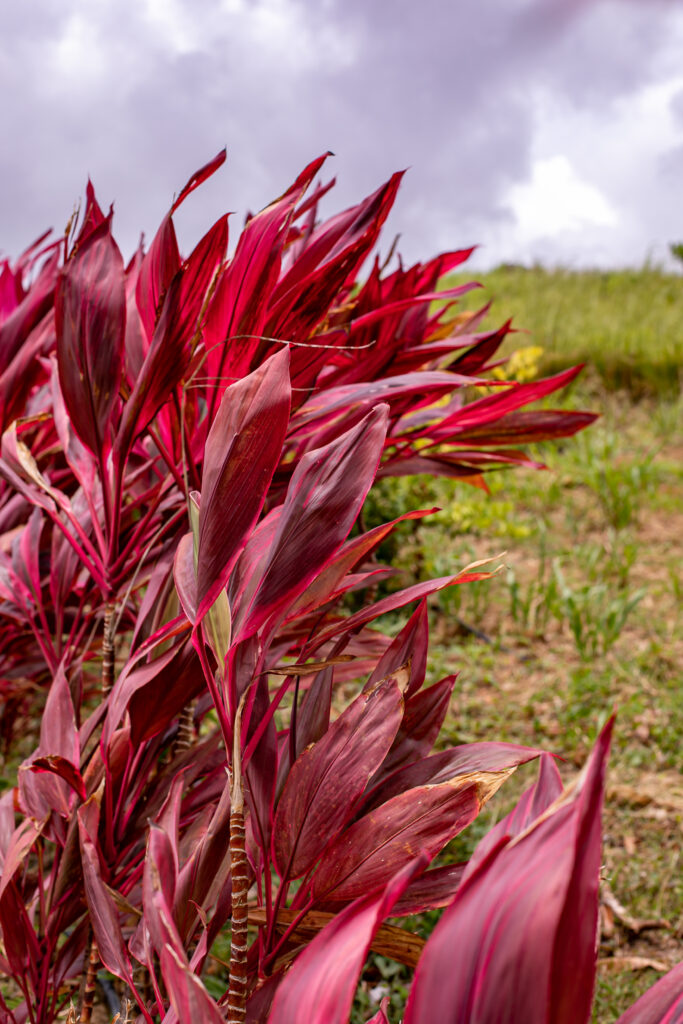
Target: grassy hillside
[627, 324]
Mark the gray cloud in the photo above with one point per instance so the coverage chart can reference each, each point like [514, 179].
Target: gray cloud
[138, 93]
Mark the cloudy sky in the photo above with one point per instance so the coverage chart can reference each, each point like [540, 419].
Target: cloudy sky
[544, 130]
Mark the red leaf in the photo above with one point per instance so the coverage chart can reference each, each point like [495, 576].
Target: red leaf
[325, 494]
[383, 841]
[491, 408]
[531, 805]
[158, 268]
[41, 794]
[237, 315]
[204, 874]
[524, 427]
[185, 576]
[449, 764]
[409, 645]
[524, 923]
[22, 947]
[63, 768]
[394, 601]
[30, 311]
[661, 1004]
[90, 319]
[156, 698]
[199, 177]
[326, 781]
[381, 1016]
[422, 719]
[175, 335]
[331, 257]
[242, 451]
[162, 262]
[351, 553]
[435, 888]
[101, 907]
[319, 988]
[18, 844]
[407, 392]
[188, 996]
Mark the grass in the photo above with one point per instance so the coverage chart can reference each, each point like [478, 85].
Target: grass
[585, 617]
[625, 324]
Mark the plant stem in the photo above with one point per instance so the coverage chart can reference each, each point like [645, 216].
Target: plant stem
[108, 650]
[185, 736]
[86, 995]
[237, 996]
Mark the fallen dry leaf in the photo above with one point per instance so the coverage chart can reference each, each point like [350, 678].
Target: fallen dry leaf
[617, 964]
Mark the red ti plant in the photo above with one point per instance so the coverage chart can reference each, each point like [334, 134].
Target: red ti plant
[186, 447]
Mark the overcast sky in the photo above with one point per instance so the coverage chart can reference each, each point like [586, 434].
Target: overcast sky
[546, 130]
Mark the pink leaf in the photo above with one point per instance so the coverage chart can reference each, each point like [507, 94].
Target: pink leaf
[103, 913]
[435, 888]
[531, 805]
[661, 1004]
[324, 497]
[384, 840]
[242, 450]
[319, 988]
[524, 923]
[326, 781]
[409, 645]
[90, 311]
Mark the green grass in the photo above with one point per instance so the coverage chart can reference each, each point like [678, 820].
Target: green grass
[626, 324]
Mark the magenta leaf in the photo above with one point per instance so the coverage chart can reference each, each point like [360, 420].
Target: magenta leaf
[531, 805]
[319, 987]
[661, 1004]
[421, 819]
[435, 888]
[242, 450]
[90, 311]
[409, 646]
[326, 781]
[325, 494]
[528, 913]
[103, 913]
